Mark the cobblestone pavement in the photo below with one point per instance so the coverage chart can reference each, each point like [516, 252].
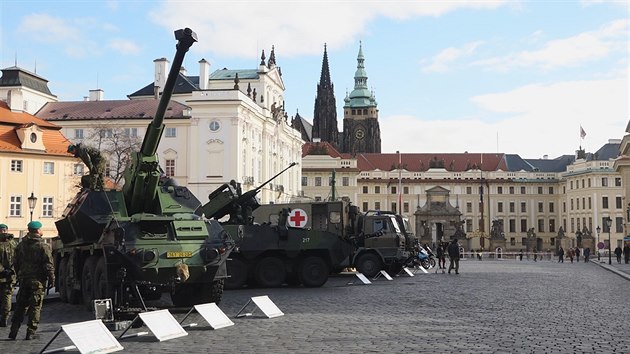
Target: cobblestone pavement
[499, 306]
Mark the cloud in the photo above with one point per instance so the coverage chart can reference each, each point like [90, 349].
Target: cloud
[240, 28]
[539, 119]
[124, 46]
[444, 59]
[567, 52]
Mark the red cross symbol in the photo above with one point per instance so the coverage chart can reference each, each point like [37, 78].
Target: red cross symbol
[298, 216]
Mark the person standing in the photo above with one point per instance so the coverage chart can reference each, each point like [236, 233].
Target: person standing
[33, 266]
[618, 253]
[453, 255]
[440, 256]
[587, 253]
[571, 253]
[520, 255]
[535, 255]
[7, 273]
[626, 253]
[577, 254]
[561, 255]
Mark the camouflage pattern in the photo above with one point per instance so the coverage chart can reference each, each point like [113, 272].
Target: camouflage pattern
[94, 161]
[34, 266]
[7, 275]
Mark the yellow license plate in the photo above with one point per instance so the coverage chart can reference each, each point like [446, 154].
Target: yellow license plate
[179, 254]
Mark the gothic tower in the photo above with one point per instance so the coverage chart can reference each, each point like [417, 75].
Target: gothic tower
[325, 112]
[361, 131]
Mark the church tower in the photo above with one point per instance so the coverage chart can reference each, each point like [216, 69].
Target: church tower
[361, 131]
[325, 112]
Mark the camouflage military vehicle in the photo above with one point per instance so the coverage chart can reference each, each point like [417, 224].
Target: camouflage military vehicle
[133, 245]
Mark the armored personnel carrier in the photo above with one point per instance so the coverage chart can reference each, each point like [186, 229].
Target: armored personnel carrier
[133, 245]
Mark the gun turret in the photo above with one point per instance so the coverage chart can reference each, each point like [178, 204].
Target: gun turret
[228, 199]
[143, 174]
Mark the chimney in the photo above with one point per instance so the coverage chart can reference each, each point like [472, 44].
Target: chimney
[96, 95]
[545, 157]
[183, 71]
[204, 74]
[15, 100]
[161, 72]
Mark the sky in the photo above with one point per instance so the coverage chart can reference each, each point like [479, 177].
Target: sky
[516, 77]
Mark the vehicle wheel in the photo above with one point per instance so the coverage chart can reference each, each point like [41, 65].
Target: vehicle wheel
[313, 272]
[87, 282]
[63, 292]
[369, 264]
[213, 292]
[237, 270]
[73, 295]
[425, 264]
[293, 279]
[432, 263]
[102, 289]
[270, 272]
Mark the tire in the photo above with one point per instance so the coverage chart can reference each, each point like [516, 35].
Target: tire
[270, 272]
[314, 272]
[213, 292]
[87, 282]
[431, 263]
[369, 264]
[102, 290]
[73, 295]
[63, 291]
[425, 264]
[237, 270]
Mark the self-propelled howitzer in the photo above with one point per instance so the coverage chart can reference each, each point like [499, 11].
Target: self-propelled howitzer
[133, 245]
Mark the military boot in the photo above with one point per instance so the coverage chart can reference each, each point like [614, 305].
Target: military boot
[13, 333]
[3, 322]
[30, 335]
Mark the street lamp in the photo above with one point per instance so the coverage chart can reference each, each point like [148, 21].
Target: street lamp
[32, 200]
[608, 224]
[597, 246]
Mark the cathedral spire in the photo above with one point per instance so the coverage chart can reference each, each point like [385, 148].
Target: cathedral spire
[325, 112]
[324, 79]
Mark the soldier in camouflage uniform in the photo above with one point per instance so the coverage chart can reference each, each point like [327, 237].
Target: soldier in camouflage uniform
[7, 274]
[33, 266]
[94, 161]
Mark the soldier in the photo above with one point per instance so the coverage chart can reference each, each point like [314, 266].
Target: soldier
[7, 274]
[33, 265]
[94, 161]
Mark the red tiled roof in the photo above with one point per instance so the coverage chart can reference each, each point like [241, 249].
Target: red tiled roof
[54, 142]
[85, 110]
[309, 149]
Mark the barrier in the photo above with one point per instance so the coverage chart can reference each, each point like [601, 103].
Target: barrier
[265, 305]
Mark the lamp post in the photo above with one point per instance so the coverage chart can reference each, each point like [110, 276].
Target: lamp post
[597, 246]
[32, 201]
[608, 224]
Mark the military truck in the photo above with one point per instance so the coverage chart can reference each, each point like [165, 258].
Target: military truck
[303, 243]
[133, 244]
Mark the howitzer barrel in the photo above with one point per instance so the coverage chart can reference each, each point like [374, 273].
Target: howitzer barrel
[186, 37]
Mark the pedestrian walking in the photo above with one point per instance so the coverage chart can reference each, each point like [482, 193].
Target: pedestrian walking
[626, 253]
[561, 255]
[33, 266]
[440, 256]
[535, 254]
[7, 273]
[587, 253]
[618, 253]
[520, 255]
[453, 255]
[571, 254]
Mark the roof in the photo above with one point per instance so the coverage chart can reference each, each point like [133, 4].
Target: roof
[183, 84]
[115, 109]
[559, 164]
[53, 140]
[15, 76]
[321, 148]
[225, 74]
[306, 127]
[608, 151]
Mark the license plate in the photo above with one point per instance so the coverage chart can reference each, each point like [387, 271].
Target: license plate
[179, 254]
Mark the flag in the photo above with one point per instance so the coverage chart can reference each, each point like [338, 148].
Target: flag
[582, 132]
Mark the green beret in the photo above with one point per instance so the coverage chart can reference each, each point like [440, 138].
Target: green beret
[4, 226]
[34, 225]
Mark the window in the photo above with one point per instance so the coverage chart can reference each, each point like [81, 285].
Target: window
[550, 190]
[540, 190]
[365, 206]
[47, 207]
[604, 181]
[365, 189]
[468, 207]
[500, 207]
[78, 133]
[15, 206]
[131, 132]
[572, 204]
[512, 207]
[617, 181]
[405, 190]
[345, 181]
[589, 183]
[552, 241]
[469, 225]
[394, 207]
[304, 181]
[582, 183]
[170, 132]
[590, 204]
[512, 241]
[541, 207]
[16, 165]
[523, 207]
[552, 225]
[583, 202]
[49, 168]
[511, 190]
[405, 207]
[604, 202]
[523, 225]
[468, 190]
[377, 205]
[394, 190]
[106, 133]
[377, 189]
[522, 190]
[330, 181]
[169, 168]
[512, 225]
[523, 241]
[564, 207]
[78, 169]
[618, 224]
[551, 207]
[318, 181]
[541, 225]
[318, 198]
[499, 190]
[618, 203]
[571, 185]
[215, 125]
[577, 203]
[108, 169]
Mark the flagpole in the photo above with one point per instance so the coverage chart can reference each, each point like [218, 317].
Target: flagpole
[399, 183]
